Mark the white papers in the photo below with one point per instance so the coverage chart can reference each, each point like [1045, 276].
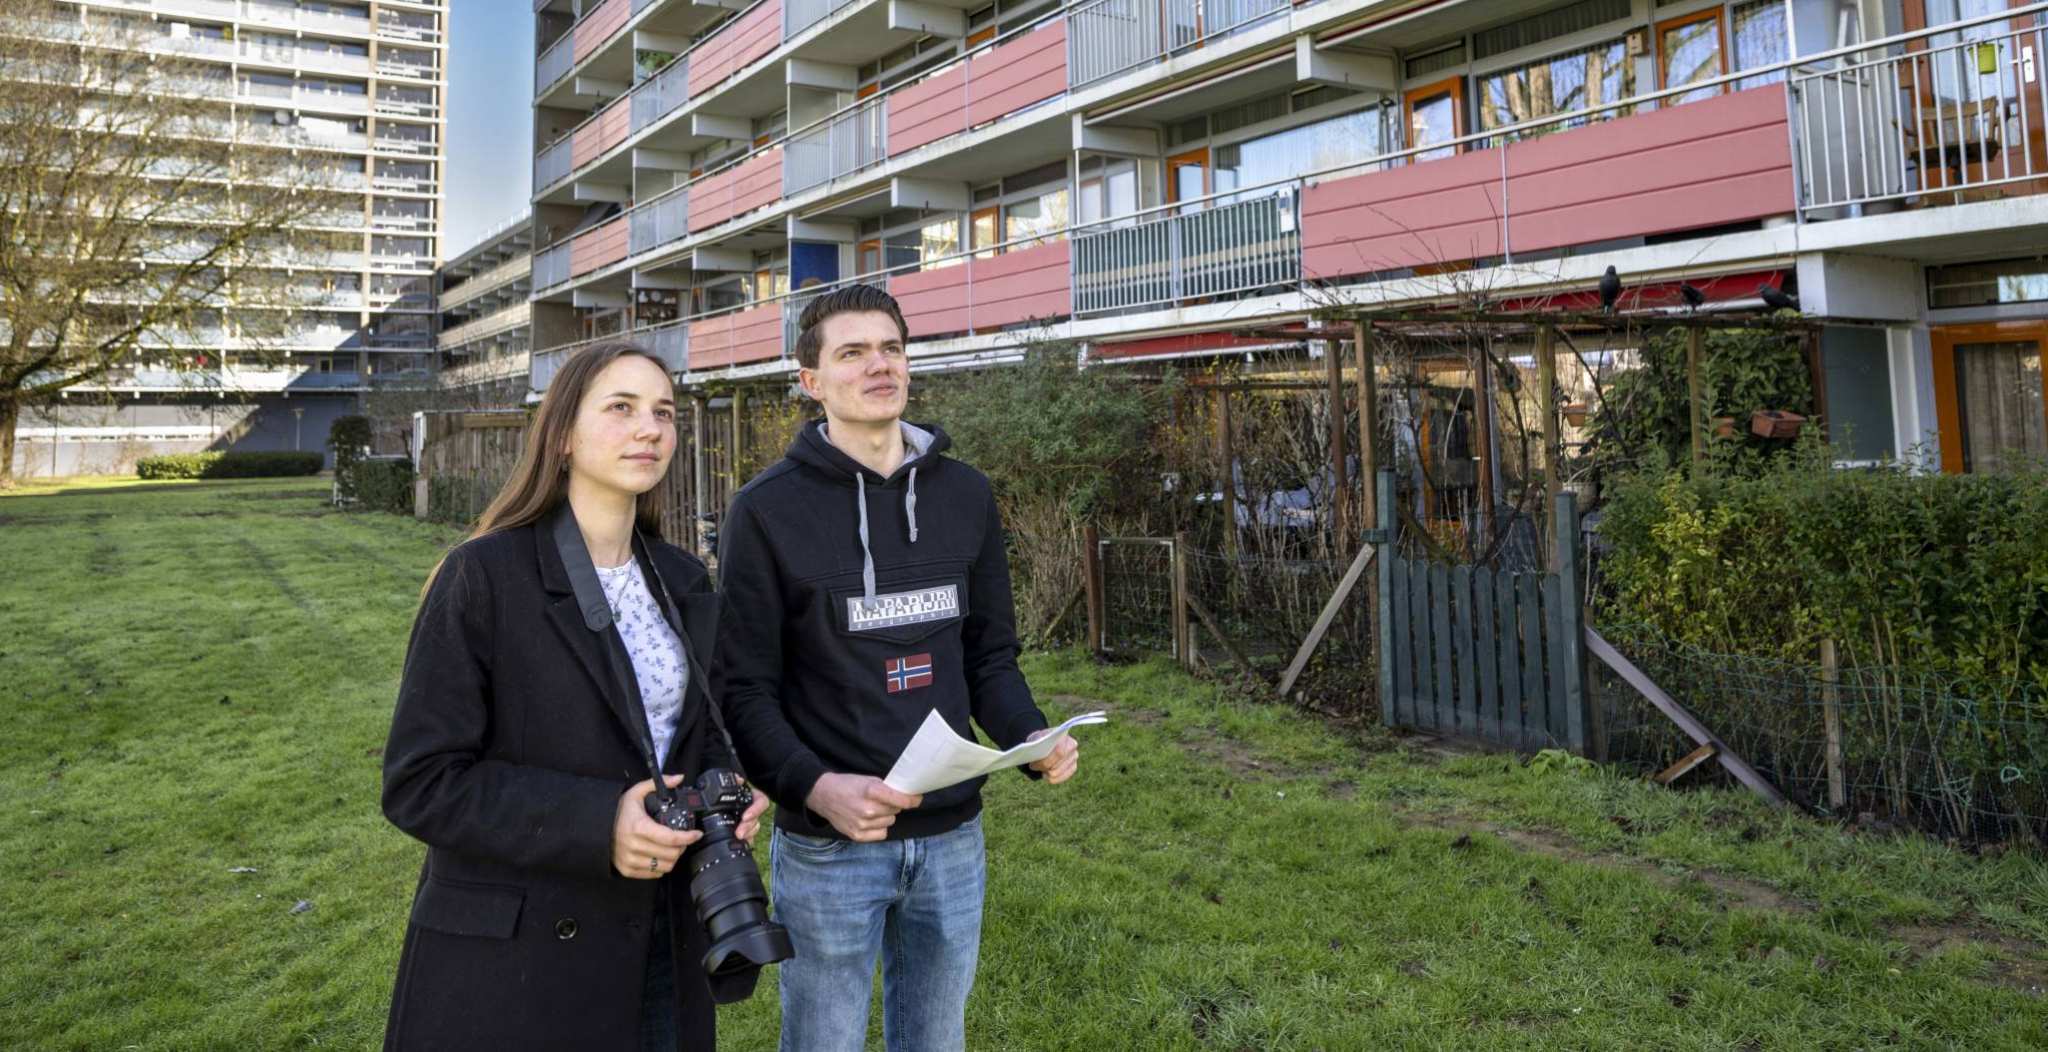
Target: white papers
[937, 757]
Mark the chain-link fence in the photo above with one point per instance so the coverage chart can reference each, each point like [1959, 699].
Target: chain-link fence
[1906, 747]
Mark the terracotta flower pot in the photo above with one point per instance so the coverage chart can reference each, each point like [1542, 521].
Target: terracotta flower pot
[1724, 426]
[1575, 413]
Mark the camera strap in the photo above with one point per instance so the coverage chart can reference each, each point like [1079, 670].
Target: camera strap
[597, 616]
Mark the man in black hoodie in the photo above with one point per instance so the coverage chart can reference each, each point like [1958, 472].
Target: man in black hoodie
[865, 586]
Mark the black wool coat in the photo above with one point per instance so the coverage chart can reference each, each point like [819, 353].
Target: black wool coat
[509, 749]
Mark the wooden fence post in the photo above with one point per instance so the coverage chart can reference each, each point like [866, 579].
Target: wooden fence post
[1091, 580]
[1183, 640]
[1383, 637]
[1334, 363]
[1569, 623]
[1692, 386]
[1553, 440]
[1831, 720]
[700, 473]
[1228, 456]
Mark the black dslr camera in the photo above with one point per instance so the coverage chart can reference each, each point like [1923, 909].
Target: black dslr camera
[725, 884]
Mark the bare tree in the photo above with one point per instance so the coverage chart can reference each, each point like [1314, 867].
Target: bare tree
[141, 222]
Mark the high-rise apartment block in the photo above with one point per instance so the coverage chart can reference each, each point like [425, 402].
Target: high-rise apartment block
[1154, 178]
[357, 88]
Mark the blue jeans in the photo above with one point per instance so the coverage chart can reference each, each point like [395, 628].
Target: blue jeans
[914, 903]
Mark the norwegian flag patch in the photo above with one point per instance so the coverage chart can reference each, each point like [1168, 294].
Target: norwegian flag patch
[908, 673]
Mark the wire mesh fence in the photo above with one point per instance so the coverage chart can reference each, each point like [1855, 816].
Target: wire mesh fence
[1910, 748]
[1137, 595]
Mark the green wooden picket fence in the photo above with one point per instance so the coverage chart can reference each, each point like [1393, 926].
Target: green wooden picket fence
[1473, 652]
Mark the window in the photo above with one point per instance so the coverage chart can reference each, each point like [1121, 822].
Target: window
[1761, 39]
[1109, 188]
[1574, 80]
[1689, 50]
[1041, 218]
[1436, 114]
[1326, 144]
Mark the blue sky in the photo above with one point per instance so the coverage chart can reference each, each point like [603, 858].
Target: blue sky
[490, 118]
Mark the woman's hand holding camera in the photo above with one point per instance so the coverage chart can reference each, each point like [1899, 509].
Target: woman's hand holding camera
[642, 848]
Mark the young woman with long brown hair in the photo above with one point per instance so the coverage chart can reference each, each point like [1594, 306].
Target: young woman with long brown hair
[547, 915]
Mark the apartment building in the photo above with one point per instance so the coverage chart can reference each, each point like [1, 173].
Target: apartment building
[485, 337]
[1166, 178]
[359, 85]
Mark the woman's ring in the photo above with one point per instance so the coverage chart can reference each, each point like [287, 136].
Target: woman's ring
[653, 864]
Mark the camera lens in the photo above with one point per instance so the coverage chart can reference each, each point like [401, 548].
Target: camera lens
[725, 886]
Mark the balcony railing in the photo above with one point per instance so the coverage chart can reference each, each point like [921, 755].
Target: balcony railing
[545, 364]
[1108, 37]
[221, 9]
[554, 63]
[325, 22]
[552, 164]
[394, 144]
[659, 221]
[492, 324]
[551, 265]
[335, 62]
[799, 15]
[398, 68]
[1237, 247]
[658, 95]
[1958, 115]
[848, 143]
[496, 367]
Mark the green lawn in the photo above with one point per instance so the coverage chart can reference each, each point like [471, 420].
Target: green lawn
[198, 677]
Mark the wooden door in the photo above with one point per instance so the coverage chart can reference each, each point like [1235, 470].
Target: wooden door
[1988, 394]
[1435, 113]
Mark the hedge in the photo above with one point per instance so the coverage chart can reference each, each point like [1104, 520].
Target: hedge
[1938, 573]
[228, 465]
[384, 484]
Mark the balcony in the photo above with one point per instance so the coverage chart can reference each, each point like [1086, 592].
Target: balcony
[507, 274]
[341, 25]
[1238, 247]
[989, 85]
[799, 15]
[554, 64]
[332, 102]
[598, 247]
[1019, 286]
[846, 143]
[403, 184]
[543, 365]
[551, 266]
[753, 334]
[416, 147]
[1957, 119]
[513, 317]
[382, 222]
[551, 165]
[1111, 36]
[736, 190]
[394, 25]
[205, 46]
[496, 367]
[659, 95]
[334, 62]
[735, 46]
[659, 221]
[413, 71]
[222, 10]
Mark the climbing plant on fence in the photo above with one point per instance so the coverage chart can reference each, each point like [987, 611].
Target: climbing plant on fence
[1646, 417]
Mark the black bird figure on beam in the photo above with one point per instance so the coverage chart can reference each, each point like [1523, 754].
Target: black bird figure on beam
[1693, 296]
[1610, 290]
[1777, 298]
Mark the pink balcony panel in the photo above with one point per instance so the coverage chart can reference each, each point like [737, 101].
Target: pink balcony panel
[752, 335]
[753, 183]
[1015, 287]
[1003, 80]
[600, 246]
[728, 51]
[594, 30]
[711, 200]
[602, 132]
[1006, 79]
[1706, 163]
[757, 181]
[928, 111]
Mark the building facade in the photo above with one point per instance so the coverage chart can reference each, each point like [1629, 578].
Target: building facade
[361, 85]
[482, 295]
[1154, 178]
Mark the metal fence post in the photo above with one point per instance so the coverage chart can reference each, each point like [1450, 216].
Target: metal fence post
[1384, 637]
[1091, 583]
[1571, 622]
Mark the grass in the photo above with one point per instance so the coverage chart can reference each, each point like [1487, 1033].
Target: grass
[199, 676]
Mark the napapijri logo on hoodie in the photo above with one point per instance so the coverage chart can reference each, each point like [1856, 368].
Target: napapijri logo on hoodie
[902, 608]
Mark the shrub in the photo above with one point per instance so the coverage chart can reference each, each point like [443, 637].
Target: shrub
[1937, 573]
[384, 484]
[349, 438]
[228, 465]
